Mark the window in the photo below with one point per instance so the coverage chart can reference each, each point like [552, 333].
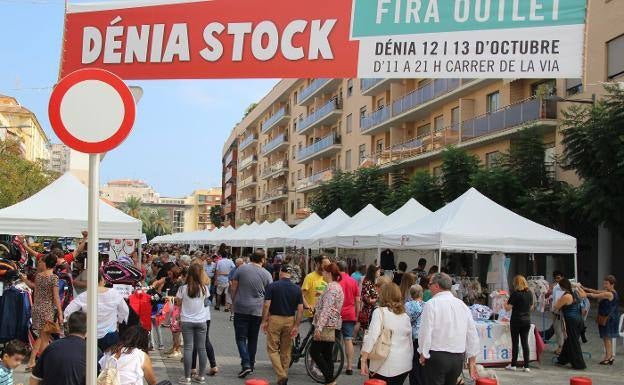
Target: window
[349, 123]
[292, 178]
[348, 160]
[298, 174]
[550, 86]
[574, 86]
[294, 151]
[362, 114]
[615, 57]
[362, 154]
[550, 159]
[423, 130]
[292, 207]
[493, 101]
[438, 123]
[295, 98]
[455, 116]
[492, 158]
[379, 145]
[349, 87]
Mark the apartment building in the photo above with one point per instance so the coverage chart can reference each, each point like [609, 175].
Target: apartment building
[202, 201]
[119, 191]
[20, 124]
[228, 179]
[304, 130]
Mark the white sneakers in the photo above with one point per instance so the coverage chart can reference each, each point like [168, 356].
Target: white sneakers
[513, 369]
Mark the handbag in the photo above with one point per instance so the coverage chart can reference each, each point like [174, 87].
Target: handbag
[603, 320]
[328, 335]
[381, 349]
[109, 375]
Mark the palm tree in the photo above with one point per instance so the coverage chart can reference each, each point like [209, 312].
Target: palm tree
[133, 207]
[155, 222]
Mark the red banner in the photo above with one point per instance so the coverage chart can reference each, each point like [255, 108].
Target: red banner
[192, 39]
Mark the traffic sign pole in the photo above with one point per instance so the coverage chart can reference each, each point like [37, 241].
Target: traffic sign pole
[93, 268]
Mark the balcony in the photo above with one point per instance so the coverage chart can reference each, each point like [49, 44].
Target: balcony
[314, 181]
[327, 146]
[247, 182]
[248, 161]
[275, 169]
[276, 194]
[253, 138]
[371, 87]
[302, 213]
[227, 191]
[274, 216]
[247, 203]
[317, 87]
[229, 158]
[228, 209]
[327, 114]
[279, 118]
[229, 175]
[279, 142]
[418, 103]
[503, 122]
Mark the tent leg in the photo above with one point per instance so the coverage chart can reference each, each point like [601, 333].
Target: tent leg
[139, 252]
[576, 268]
[336, 253]
[440, 259]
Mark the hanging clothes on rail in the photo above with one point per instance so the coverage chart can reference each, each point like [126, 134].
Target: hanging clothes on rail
[15, 312]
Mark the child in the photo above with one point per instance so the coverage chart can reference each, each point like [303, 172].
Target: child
[12, 356]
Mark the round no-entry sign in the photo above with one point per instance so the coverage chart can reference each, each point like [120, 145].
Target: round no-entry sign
[92, 110]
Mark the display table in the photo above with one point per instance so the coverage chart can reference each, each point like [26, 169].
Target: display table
[495, 340]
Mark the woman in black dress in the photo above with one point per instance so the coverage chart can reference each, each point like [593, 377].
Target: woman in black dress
[570, 306]
[520, 304]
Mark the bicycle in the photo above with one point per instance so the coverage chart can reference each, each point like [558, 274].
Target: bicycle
[301, 348]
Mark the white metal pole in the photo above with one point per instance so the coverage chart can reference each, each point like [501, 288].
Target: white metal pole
[336, 253]
[576, 268]
[92, 271]
[139, 252]
[440, 259]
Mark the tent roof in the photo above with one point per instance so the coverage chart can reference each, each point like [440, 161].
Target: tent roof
[238, 237]
[363, 219]
[368, 236]
[61, 209]
[283, 239]
[276, 228]
[309, 237]
[476, 223]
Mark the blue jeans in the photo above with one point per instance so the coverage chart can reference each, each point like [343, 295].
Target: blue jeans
[194, 334]
[246, 330]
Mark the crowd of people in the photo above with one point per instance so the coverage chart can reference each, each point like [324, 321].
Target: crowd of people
[414, 328]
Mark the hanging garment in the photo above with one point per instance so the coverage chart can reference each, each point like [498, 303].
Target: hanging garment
[15, 315]
[141, 303]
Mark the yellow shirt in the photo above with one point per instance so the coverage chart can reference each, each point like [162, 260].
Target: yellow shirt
[314, 285]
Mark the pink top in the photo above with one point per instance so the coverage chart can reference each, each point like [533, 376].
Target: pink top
[327, 314]
[351, 291]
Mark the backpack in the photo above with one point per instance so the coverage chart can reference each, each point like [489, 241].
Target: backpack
[115, 272]
[109, 374]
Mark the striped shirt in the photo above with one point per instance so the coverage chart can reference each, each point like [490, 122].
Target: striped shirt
[6, 375]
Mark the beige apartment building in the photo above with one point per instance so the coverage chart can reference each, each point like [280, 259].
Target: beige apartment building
[304, 130]
[20, 124]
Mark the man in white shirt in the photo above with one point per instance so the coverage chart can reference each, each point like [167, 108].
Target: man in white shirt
[448, 335]
[557, 325]
[221, 273]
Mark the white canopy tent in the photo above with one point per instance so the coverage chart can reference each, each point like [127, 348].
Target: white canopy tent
[333, 223]
[368, 216]
[473, 222]
[281, 240]
[276, 228]
[61, 209]
[367, 237]
[238, 237]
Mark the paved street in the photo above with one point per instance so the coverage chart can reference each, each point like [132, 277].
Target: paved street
[222, 336]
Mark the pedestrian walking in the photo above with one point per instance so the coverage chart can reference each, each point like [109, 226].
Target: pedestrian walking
[195, 305]
[314, 285]
[447, 336]
[281, 317]
[414, 309]
[390, 315]
[368, 295]
[569, 306]
[222, 271]
[608, 316]
[248, 288]
[326, 321]
[520, 304]
[349, 314]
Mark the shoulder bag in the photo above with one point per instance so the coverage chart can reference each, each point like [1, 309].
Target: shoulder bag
[381, 349]
[603, 320]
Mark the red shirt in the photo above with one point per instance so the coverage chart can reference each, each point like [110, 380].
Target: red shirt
[351, 291]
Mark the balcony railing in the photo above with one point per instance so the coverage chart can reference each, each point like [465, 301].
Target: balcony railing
[329, 107]
[514, 115]
[419, 96]
[229, 158]
[315, 179]
[365, 84]
[281, 113]
[247, 141]
[247, 182]
[274, 216]
[273, 144]
[247, 161]
[319, 146]
[228, 175]
[312, 88]
[227, 191]
[280, 192]
[275, 168]
[246, 202]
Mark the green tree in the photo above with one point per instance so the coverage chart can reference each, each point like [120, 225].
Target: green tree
[594, 147]
[155, 222]
[499, 184]
[133, 207]
[20, 178]
[369, 187]
[458, 166]
[425, 189]
[526, 159]
[336, 193]
[216, 215]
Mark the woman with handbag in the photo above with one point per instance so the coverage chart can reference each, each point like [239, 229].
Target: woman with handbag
[608, 316]
[570, 307]
[326, 321]
[388, 344]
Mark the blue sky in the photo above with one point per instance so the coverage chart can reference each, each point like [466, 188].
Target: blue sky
[181, 125]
